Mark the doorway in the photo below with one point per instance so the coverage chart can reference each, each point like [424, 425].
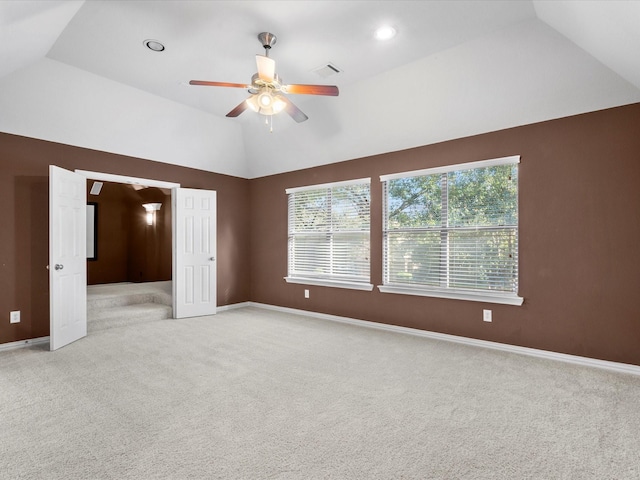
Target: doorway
[129, 275]
[129, 255]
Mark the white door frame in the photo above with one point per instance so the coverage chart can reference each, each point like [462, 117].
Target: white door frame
[108, 177]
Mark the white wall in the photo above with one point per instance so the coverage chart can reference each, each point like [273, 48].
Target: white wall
[521, 75]
[53, 101]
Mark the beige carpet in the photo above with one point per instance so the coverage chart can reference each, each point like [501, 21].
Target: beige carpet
[256, 394]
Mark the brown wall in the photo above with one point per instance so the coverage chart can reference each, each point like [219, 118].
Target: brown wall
[128, 249]
[149, 252]
[112, 212]
[579, 228]
[579, 187]
[24, 177]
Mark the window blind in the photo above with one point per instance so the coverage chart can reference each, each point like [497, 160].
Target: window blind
[329, 229]
[453, 228]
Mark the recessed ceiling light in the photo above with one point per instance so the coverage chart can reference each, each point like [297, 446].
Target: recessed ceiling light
[154, 45]
[385, 32]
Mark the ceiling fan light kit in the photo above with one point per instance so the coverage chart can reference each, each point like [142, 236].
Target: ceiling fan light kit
[267, 90]
[266, 103]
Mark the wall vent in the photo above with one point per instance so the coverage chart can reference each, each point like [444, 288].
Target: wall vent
[95, 188]
[326, 70]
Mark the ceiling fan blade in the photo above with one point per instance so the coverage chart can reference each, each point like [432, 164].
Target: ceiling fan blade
[219, 84]
[238, 110]
[297, 114]
[330, 90]
[266, 68]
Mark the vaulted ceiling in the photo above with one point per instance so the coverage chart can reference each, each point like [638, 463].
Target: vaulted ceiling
[77, 72]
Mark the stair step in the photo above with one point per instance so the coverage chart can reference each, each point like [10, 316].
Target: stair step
[99, 302]
[121, 294]
[119, 316]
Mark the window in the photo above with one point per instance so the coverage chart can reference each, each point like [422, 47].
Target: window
[453, 232]
[329, 234]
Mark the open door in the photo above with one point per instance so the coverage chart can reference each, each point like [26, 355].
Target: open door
[194, 240]
[67, 257]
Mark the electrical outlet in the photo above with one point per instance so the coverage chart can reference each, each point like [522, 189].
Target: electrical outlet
[486, 316]
[306, 293]
[14, 317]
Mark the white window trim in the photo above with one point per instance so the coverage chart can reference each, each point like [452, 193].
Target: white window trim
[494, 162]
[455, 294]
[330, 283]
[327, 185]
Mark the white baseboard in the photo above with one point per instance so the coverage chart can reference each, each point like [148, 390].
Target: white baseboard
[233, 306]
[35, 341]
[532, 352]
[23, 343]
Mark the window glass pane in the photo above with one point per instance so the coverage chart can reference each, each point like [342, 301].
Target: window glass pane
[351, 255]
[308, 211]
[414, 202]
[484, 259]
[309, 255]
[350, 207]
[414, 258]
[483, 196]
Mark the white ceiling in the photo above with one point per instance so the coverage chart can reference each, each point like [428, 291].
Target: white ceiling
[77, 72]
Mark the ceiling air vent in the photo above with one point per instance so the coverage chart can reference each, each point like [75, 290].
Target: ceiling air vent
[95, 188]
[326, 70]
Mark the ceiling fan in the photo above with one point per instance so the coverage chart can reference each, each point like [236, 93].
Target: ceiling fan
[267, 90]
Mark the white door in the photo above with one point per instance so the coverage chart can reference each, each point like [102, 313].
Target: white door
[194, 240]
[67, 257]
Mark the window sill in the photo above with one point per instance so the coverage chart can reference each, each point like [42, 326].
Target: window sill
[505, 299]
[329, 283]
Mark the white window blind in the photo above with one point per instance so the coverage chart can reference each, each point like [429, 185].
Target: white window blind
[329, 233]
[453, 229]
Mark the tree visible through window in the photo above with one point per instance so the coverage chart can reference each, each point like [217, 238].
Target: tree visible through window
[329, 232]
[453, 228]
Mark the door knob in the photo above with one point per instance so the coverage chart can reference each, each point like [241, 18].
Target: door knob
[59, 267]
[212, 259]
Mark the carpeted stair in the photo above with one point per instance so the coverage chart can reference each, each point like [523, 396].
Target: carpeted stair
[116, 305]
